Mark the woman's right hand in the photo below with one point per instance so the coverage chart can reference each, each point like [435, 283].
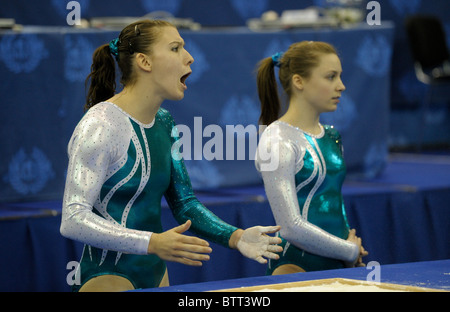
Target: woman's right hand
[172, 245]
[356, 240]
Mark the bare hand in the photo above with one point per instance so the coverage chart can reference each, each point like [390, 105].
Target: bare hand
[172, 245]
[362, 252]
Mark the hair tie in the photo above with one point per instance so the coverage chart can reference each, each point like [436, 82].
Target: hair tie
[276, 59]
[114, 48]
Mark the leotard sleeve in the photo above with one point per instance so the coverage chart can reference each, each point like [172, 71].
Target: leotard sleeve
[185, 205]
[279, 183]
[93, 151]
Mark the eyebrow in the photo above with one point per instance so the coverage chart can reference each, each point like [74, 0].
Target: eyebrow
[333, 71]
[178, 42]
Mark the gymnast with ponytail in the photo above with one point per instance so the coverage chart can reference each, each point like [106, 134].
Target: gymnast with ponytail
[304, 174]
[121, 163]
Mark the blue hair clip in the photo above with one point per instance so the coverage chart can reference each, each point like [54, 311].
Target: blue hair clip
[276, 59]
[114, 48]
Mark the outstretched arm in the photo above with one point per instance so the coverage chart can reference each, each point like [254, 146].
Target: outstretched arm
[253, 243]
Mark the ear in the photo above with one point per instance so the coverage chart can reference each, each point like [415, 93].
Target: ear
[143, 62]
[297, 82]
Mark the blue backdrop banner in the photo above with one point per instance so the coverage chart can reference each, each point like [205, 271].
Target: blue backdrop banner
[44, 70]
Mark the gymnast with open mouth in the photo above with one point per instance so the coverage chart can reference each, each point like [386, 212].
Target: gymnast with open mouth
[121, 164]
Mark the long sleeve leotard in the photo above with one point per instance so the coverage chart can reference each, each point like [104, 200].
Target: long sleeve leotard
[303, 175]
[118, 171]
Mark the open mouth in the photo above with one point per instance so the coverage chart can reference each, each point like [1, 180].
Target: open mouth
[183, 79]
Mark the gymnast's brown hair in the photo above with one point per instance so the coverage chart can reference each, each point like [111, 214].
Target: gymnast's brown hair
[300, 58]
[137, 37]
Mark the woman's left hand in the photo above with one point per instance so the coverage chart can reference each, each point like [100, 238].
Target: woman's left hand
[254, 243]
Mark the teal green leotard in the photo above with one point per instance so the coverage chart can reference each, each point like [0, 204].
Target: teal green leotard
[303, 178]
[118, 171]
